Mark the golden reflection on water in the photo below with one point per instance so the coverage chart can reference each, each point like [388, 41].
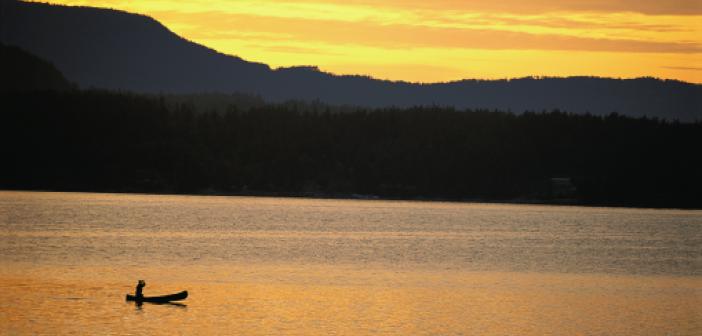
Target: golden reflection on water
[315, 300]
[276, 266]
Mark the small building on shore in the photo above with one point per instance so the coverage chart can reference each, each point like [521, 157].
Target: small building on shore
[562, 187]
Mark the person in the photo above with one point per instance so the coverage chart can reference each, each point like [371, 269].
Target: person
[140, 286]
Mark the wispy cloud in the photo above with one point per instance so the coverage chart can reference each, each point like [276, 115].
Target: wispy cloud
[655, 7]
[683, 68]
[414, 36]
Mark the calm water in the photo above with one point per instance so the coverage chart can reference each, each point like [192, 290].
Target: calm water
[270, 266]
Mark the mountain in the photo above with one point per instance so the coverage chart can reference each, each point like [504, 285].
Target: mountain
[121, 51]
[22, 71]
[117, 50]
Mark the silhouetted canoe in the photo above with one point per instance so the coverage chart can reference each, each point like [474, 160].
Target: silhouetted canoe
[161, 299]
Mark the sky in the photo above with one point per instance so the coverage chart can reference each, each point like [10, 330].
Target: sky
[444, 40]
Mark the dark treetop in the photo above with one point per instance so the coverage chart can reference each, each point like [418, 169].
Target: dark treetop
[102, 141]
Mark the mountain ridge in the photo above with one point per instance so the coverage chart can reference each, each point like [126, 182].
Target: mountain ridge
[117, 50]
[23, 72]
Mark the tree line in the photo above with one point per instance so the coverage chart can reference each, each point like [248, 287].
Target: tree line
[121, 142]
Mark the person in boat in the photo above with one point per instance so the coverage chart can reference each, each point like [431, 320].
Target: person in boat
[140, 286]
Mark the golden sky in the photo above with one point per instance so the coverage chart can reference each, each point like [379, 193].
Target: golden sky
[442, 40]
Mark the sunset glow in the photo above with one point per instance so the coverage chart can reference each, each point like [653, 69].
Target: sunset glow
[429, 41]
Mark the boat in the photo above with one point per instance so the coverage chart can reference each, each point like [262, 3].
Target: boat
[159, 299]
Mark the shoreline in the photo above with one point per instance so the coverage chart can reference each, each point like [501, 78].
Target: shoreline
[323, 196]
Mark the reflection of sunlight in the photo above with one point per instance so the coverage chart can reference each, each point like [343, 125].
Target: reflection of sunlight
[409, 40]
[315, 300]
[272, 266]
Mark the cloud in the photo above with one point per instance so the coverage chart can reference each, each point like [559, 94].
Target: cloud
[413, 36]
[295, 50]
[601, 23]
[682, 68]
[654, 7]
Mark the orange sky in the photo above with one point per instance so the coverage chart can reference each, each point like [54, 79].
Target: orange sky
[441, 40]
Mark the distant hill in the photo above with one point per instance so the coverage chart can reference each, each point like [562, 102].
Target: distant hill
[117, 50]
[22, 71]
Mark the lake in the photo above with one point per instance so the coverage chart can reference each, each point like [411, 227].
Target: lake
[290, 266]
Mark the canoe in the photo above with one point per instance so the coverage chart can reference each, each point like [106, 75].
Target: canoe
[163, 298]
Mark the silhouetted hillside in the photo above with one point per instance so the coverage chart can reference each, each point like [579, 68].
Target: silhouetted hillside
[117, 50]
[211, 102]
[22, 71]
[95, 140]
[102, 141]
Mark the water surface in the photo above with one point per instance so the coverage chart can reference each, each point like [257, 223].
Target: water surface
[306, 266]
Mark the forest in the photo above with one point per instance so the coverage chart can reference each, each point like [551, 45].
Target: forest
[93, 140]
